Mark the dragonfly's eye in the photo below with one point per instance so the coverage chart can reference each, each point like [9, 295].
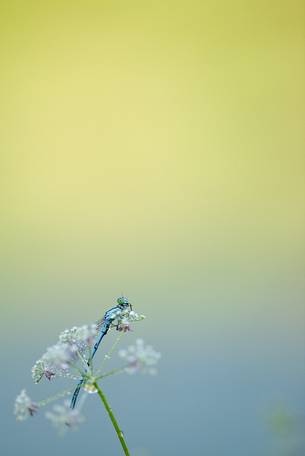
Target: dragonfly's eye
[122, 300]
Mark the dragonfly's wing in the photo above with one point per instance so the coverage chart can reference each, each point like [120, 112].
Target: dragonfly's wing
[108, 317]
[99, 323]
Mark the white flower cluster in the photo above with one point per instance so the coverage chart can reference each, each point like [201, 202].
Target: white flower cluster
[64, 418]
[127, 317]
[72, 345]
[82, 337]
[140, 358]
[24, 406]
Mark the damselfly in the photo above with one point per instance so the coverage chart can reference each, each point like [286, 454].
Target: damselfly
[103, 325]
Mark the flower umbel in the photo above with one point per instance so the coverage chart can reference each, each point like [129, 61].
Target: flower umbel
[64, 418]
[82, 338]
[125, 320]
[24, 406]
[140, 358]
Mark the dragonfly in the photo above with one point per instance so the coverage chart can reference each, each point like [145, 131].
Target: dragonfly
[104, 326]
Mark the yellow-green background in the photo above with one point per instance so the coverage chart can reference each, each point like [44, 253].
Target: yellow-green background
[157, 148]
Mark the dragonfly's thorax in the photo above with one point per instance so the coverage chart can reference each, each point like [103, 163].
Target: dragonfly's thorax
[123, 306]
[111, 314]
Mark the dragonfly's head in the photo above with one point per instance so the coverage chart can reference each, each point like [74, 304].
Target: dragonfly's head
[123, 302]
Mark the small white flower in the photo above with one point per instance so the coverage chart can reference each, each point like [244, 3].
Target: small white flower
[64, 418]
[24, 406]
[59, 356]
[124, 318]
[140, 358]
[124, 325]
[83, 337]
[38, 371]
[133, 316]
[56, 361]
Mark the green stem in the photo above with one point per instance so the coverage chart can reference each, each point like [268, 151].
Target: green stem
[109, 353]
[112, 372]
[112, 418]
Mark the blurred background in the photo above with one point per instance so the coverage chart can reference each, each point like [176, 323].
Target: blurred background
[157, 149]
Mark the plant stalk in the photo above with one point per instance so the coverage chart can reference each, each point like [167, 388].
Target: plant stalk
[112, 418]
